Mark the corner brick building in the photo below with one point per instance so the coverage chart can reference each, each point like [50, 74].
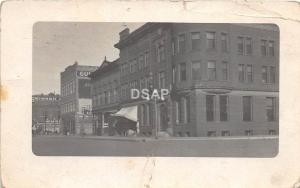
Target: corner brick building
[76, 102]
[223, 78]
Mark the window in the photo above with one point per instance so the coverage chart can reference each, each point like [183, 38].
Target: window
[184, 110]
[146, 114]
[272, 75]
[122, 70]
[263, 47]
[174, 75]
[115, 95]
[151, 114]
[196, 70]
[105, 97]
[62, 91]
[211, 40]
[264, 75]
[248, 46]
[211, 133]
[127, 90]
[270, 108]
[131, 67]
[224, 43]
[249, 132]
[67, 89]
[142, 83]
[224, 70]
[241, 73]
[109, 96]
[187, 107]
[184, 106]
[181, 43]
[223, 108]
[132, 84]
[141, 62]
[271, 48]
[122, 91]
[210, 107]
[99, 98]
[181, 111]
[182, 69]
[173, 48]
[137, 84]
[147, 81]
[135, 65]
[71, 87]
[162, 80]
[240, 45]
[211, 70]
[247, 108]
[177, 112]
[161, 52]
[125, 69]
[128, 67]
[146, 59]
[249, 74]
[225, 133]
[195, 40]
[272, 132]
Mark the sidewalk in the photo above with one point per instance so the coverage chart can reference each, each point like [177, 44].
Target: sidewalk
[146, 139]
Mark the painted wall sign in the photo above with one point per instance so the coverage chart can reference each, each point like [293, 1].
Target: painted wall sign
[84, 88]
[83, 73]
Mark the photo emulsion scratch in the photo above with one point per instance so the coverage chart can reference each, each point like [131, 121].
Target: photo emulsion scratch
[155, 89]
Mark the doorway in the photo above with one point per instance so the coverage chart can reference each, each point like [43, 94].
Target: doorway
[163, 117]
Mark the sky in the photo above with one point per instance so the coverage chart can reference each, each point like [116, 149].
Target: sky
[57, 45]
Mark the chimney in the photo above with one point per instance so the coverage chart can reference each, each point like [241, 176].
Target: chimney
[123, 34]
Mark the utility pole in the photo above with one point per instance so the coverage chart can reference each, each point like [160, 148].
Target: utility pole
[155, 103]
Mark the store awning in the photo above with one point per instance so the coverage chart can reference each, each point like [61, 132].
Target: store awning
[128, 112]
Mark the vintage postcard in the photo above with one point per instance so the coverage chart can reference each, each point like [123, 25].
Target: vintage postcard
[163, 89]
[182, 94]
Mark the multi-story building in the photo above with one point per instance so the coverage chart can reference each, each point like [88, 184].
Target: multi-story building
[46, 112]
[145, 61]
[223, 78]
[105, 95]
[227, 78]
[76, 102]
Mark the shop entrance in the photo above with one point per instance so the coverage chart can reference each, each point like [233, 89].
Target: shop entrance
[163, 117]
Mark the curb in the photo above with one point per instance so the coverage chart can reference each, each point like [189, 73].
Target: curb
[146, 139]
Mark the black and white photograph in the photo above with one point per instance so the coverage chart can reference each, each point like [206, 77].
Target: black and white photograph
[150, 94]
[155, 89]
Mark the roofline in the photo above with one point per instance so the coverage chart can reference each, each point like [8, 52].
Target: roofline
[101, 69]
[136, 33]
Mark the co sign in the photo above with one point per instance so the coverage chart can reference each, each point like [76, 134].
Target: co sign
[83, 73]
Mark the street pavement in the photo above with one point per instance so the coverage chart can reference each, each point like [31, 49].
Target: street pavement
[164, 147]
